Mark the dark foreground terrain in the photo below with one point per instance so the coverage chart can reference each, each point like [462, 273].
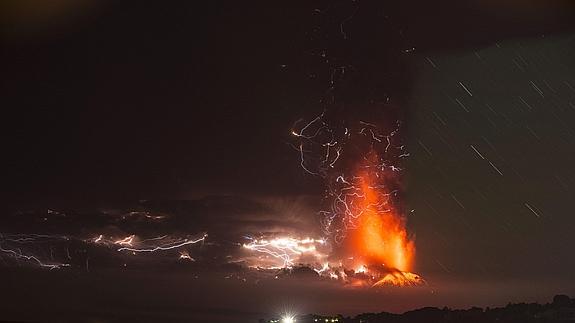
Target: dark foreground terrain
[562, 309]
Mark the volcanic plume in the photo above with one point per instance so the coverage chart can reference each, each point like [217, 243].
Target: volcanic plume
[380, 241]
[365, 223]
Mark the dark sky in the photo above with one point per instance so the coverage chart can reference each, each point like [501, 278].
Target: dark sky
[189, 98]
[108, 103]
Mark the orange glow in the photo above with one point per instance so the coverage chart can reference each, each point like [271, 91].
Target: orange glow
[399, 278]
[380, 241]
[381, 237]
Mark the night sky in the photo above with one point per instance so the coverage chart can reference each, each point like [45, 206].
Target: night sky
[117, 112]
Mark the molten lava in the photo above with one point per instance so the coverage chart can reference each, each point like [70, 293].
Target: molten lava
[380, 241]
[399, 278]
[364, 225]
[381, 236]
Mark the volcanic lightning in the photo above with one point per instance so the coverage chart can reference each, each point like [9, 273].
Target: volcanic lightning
[365, 224]
[24, 246]
[365, 241]
[286, 249]
[172, 244]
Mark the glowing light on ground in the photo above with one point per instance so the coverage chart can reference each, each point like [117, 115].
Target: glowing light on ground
[288, 319]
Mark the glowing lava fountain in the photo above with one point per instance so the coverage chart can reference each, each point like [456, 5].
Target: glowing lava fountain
[381, 234]
[364, 224]
[380, 241]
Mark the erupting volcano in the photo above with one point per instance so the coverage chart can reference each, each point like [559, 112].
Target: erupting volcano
[381, 236]
[380, 242]
[365, 223]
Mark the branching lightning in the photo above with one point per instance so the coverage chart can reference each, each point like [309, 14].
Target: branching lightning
[175, 244]
[9, 242]
[360, 164]
[287, 250]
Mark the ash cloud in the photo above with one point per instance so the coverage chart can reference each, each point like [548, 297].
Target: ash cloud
[91, 239]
